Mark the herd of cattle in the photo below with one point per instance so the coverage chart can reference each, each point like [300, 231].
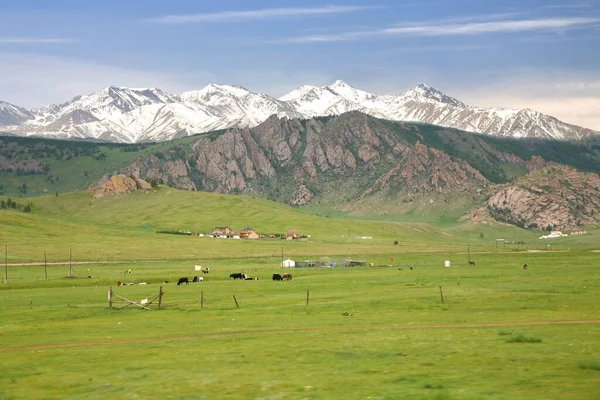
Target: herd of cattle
[196, 279]
[235, 276]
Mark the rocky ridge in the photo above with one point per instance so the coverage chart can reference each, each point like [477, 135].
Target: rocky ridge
[348, 161]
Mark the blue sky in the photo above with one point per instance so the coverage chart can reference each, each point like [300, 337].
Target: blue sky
[521, 54]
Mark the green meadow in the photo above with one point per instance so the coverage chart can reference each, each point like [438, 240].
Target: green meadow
[405, 328]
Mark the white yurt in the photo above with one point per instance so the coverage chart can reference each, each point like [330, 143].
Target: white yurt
[288, 263]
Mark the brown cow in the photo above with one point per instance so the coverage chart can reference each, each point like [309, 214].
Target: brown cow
[287, 277]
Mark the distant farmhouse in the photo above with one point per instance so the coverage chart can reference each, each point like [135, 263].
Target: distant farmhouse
[249, 233]
[292, 234]
[221, 231]
[226, 232]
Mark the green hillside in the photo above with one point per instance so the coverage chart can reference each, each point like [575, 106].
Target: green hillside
[34, 166]
[125, 228]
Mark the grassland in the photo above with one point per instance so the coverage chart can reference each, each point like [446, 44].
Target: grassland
[370, 332]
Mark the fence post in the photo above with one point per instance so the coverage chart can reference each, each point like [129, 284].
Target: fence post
[441, 294]
[202, 299]
[236, 302]
[45, 267]
[160, 295]
[307, 295]
[110, 292]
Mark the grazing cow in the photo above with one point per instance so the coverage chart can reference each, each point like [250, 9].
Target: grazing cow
[287, 277]
[524, 266]
[198, 279]
[182, 281]
[471, 262]
[127, 271]
[205, 270]
[142, 283]
[237, 275]
[277, 277]
[248, 278]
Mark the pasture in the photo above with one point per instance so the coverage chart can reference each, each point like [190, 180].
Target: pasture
[378, 332]
[367, 332]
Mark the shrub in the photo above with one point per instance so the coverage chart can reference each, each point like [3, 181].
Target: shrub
[591, 365]
[523, 339]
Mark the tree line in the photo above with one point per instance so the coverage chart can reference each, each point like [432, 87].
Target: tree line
[10, 204]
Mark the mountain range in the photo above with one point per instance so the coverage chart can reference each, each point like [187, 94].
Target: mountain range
[353, 164]
[125, 115]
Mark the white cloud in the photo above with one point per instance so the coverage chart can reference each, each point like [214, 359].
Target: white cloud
[436, 29]
[575, 100]
[33, 80]
[21, 40]
[267, 13]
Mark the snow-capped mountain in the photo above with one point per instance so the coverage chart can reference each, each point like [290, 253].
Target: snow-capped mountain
[235, 103]
[13, 115]
[122, 114]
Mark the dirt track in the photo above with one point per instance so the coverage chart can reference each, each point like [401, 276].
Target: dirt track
[25, 264]
[286, 331]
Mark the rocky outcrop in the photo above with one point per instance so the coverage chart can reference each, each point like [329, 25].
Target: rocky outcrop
[302, 195]
[552, 196]
[425, 171]
[359, 164]
[117, 184]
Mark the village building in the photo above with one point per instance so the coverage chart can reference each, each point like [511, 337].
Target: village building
[220, 231]
[292, 234]
[249, 233]
[288, 263]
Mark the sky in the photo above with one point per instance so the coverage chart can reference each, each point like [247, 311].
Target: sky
[537, 54]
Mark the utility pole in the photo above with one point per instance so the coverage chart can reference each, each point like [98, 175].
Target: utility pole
[5, 264]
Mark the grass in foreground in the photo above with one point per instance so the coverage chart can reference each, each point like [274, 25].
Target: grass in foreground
[367, 332]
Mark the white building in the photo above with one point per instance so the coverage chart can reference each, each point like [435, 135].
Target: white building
[288, 263]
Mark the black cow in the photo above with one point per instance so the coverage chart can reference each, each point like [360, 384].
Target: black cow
[277, 277]
[237, 275]
[182, 281]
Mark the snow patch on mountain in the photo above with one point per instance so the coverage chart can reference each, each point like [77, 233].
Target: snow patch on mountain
[124, 114]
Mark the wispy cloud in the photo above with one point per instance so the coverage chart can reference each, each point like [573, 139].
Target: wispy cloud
[266, 13]
[21, 40]
[424, 49]
[567, 5]
[436, 29]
